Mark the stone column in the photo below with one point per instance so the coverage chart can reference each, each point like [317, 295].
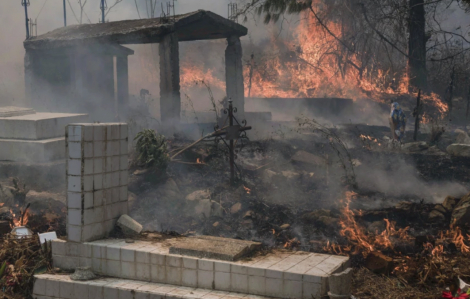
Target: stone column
[170, 98]
[122, 71]
[97, 165]
[234, 75]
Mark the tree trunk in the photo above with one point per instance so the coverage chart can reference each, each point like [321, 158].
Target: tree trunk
[417, 45]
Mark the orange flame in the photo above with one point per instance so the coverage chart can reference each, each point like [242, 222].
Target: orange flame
[248, 190]
[16, 220]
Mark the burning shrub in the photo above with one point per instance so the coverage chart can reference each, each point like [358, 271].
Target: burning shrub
[151, 149]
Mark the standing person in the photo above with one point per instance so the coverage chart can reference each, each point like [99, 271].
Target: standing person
[397, 122]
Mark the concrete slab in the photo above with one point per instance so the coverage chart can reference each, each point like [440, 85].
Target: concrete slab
[214, 248]
[9, 111]
[32, 150]
[38, 126]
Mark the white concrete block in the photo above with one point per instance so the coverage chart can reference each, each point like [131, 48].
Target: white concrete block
[110, 292]
[58, 247]
[86, 250]
[223, 281]
[257, 285]
[292, 289]
[256, 271]
[87, 132]
[98, 133]
[127, 255]
[97, 181]
[205, 279]
[74, 217]
[39, 287]
[115, 195]
[158, 273]
[239, 283]
[85, 262]
[158, 259]
[221, 266]
[128, 270]
[88, 150]
[98, 149]
[190, 263]
[95, 292]
[113, 268]
[75, 150]
[131, 227]
[113, 253]
[88, 166]
[174, 275]
[143, 271]
[123, 193]
[189, 278]
[87, 183]
[74, 233]
[115, 163]
[293, 276]
[33, 150]
[274, 287]
[239, 269]
[99, 251]
[72, 249]
[98, 198]
[205, 265]
[310, 290]
[115, 132]
[98, 165]
[52, 288]
[74, 167]
[74, 200]
[106, 180]
[115, 179]
[173, 260]
[66, 289]
[274, 274]
[98, 265]
[80, 290]
[74, 133]
[74, 183]
[88, 200]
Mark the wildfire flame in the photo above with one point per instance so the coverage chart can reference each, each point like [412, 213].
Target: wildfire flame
[198, 161]
[17, 221]
[248, 190]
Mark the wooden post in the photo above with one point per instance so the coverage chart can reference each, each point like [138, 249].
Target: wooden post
[234, 75]
[170, 97]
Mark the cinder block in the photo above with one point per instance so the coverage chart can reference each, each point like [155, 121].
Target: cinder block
[158, 273]
[98, 165]
[80, 290]
[66, 289]
[85, 262]
[189, 278]
[74, 167]
[86, 250]
[88, 150]
[310, 290]
[238, 269]
[274, 274]
[205, 279]
[127, 255]
[87, 132]
[74, 200]
[128, 270]
[123, 148]
[142, 271]
[88, 183]
[39, 287]
[58, 247]
[205, 265]
[88, 166]
[158, 259]
[256, 271]
[115, 179]
[110, 292]
[74, 150]
[72, 249]
[52, 288]
[115, 194]
[174, 275]
[173, 260]
[99, 149]
[98, 133]
[74, 133]
[88, 200]
[113, 268]
[74, 233]
[98, 198]
[190, 263]
[123, 178]
[257, 285]
[292, 289]
[99, 251]
[115, 132]
[74, 217]
[74, 183]
[221, 267]
[239, 283]
[123, 162]
[113, 253]
[123, 193]
[98, 265]
[95, 291]
[107, 180]
[223, 281]
[115, 163]
[274, 287]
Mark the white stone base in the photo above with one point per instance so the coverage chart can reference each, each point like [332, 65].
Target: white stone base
[38, 126]
[47, 286]
[32, 150]
[281, 274]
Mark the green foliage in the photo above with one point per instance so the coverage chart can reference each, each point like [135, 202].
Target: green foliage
[151, 149]
[273, 9]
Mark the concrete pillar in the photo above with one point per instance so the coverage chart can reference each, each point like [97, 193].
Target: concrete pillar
[122, 71]
[29, 77]
[97, 178]
[234, 75]
[170, 98]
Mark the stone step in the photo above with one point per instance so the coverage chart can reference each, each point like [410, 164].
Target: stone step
[32, 150]
[48, 286]
[38, 126]
[282, 274]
